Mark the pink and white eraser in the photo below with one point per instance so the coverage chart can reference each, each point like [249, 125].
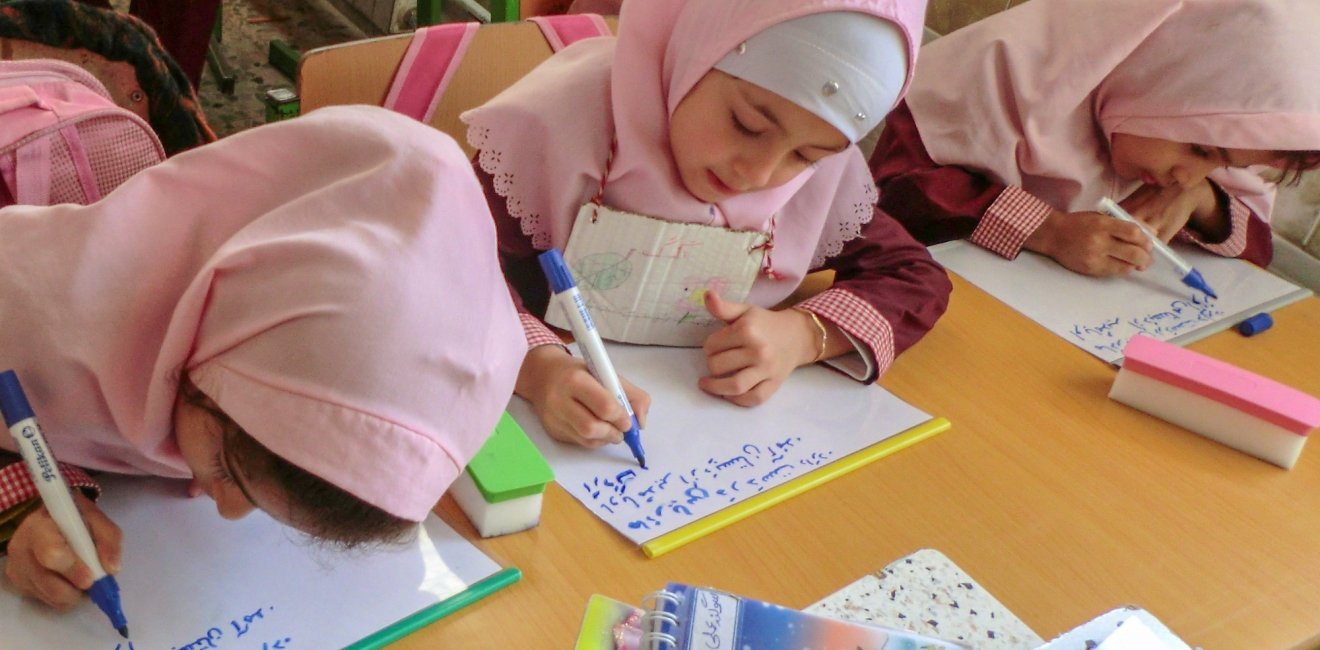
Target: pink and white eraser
[1218, 400]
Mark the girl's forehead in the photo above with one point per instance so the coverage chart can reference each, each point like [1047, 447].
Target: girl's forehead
[846, 67]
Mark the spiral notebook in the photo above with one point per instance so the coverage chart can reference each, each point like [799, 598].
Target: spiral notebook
[683, 617]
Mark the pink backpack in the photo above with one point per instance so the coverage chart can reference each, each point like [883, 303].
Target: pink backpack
[62, 138]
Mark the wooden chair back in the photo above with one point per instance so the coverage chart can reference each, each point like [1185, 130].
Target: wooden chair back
[361, 72]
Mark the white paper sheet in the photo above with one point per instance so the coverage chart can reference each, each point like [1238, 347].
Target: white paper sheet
[1099, 315]
[705, 454]
[194, 581]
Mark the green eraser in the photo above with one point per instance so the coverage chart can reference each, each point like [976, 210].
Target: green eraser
[509, 465]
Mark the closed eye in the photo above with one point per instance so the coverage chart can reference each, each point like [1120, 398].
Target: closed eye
[742, 128]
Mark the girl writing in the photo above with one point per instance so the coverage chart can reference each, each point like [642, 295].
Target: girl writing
[306, 318]
[694, 169]
[1017, 125]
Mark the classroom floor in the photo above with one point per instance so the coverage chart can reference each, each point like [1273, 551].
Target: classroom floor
[248, 28]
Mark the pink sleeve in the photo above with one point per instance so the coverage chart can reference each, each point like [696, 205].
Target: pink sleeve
[1008, 222]
[870, 333]
[16, 486]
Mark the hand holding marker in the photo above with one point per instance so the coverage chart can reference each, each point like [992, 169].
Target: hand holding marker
[56, 497]
[1191, 277]
[564, 286]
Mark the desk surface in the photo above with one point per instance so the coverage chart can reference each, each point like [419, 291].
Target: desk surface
[1062, 503]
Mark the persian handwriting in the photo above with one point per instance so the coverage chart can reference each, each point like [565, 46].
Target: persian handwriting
[215, 638]
[1111, 334]
[713, 619]
[679, 496]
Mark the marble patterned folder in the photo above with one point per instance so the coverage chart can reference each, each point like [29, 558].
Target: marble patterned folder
[927, 593]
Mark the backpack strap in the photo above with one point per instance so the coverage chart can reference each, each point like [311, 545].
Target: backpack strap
[82, 164]
[564, 30]
[31, 172]
[432, 57]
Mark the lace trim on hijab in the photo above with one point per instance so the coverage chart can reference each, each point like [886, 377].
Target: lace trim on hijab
[846, 228]
[492, 162]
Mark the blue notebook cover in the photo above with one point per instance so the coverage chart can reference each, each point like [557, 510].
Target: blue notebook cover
[682, 617]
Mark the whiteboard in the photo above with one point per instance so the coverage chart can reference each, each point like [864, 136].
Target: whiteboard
[705, 454]
[1099, 315]
[192, 581]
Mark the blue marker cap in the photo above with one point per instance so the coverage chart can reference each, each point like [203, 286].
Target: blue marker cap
[12, 400]
[556, 270]
[1255, 325]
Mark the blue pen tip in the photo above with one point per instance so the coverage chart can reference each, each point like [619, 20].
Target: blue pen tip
[1195, 281]
[633, 438]
[105, 593]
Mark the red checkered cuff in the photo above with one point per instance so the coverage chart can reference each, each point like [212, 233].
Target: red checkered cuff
[16, 484]
[537, 332]
[1238, 216]
[869, 332]
[1008, 222]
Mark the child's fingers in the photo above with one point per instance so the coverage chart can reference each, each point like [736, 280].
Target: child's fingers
[108, 536]
[725, 310]
[573, 423]
[53, 554]
[757, 395]
[729, 361]
[639, 399]
[602, 403]
[735, 384]
[721, 340]
[53, 590]
[589, 430]
[1127, 256]
[1129, 233]
[51, 551]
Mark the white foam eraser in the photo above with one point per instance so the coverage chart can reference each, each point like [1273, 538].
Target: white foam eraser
[500, 491]
[499, 518]
[1218, 400]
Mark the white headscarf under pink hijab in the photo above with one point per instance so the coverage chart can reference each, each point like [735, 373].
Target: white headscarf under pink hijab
[1033, 95]
[330, 282]
[545, 140]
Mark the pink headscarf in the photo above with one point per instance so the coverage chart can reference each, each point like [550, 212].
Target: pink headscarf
[546, 138]
[330, 282]
[1033, 95]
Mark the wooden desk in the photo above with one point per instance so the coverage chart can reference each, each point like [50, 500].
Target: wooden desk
[1062, 503]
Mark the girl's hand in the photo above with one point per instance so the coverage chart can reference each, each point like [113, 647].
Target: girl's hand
[571, 404]
[1091, 243]
[1168, 209]
[41, 564]
[751, 356]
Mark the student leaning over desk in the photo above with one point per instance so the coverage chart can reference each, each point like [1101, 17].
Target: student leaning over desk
[306, 318]
[729, 117]
[1016, 125]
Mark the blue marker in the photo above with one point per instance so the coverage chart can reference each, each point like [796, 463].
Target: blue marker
[588, 339]
[56, 496]
[1191, 277]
